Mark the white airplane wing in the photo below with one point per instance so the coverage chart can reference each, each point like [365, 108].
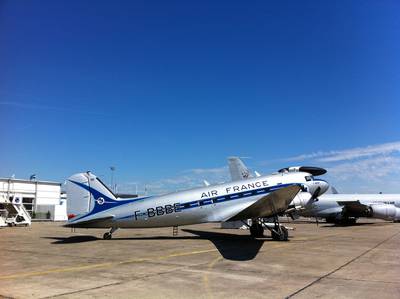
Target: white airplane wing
[272, 204]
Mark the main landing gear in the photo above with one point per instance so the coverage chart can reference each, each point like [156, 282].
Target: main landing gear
[256, 229]
[278, 231]
[108, 235]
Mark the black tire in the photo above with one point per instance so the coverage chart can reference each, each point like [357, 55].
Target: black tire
[107, 236]
[330, 220]
[256, 230]
[285, 233]
[352, 221]
[282, 236]
[348, 221]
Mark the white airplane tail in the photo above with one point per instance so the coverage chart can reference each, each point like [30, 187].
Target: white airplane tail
[85, 191]
[237, 169]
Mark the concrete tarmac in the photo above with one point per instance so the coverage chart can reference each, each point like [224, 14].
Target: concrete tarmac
[203, 261]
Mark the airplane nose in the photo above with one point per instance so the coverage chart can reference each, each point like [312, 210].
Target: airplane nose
[317, 187]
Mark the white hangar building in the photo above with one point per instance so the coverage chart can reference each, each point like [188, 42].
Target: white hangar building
[42, 199]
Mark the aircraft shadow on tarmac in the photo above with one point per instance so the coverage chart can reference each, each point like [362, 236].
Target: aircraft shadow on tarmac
[73, 239]
[230, 246]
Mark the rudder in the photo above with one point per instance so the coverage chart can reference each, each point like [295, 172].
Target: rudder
[84, 192]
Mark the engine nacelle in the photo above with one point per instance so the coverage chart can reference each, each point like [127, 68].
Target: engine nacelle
[302, 199]
[385, 212]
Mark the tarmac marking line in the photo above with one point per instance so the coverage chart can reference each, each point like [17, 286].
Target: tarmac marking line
[341, 267]
[364, 280]
[103, 265]
[84, 290]
[205, 276]
[105, 285]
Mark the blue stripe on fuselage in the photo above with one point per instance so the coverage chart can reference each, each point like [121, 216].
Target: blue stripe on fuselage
[234, 196]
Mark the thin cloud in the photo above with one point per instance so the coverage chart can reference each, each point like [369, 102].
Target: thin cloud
[350, 154]
[35, 106]
[371, 169]
[205, 171]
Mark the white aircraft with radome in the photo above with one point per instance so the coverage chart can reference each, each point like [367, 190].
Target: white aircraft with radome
[347, 208]
[335, 208]
[91, 204]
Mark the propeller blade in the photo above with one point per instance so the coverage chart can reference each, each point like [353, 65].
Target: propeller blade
[316, 193]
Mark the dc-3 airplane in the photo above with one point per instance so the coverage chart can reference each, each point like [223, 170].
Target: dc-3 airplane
[335, 208]
[92, 205]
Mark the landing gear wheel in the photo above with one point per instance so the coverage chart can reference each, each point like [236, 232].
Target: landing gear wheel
[107, 236]
[256, 230]
[280, 234]
[352, 221]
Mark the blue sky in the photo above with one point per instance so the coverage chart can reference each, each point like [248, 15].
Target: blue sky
[165, 91]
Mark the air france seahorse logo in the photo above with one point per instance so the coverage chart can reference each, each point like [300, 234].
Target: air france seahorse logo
[245, 174]
[100, 201]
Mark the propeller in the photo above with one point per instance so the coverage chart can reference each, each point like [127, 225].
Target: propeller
[316, 193]
[313, 197]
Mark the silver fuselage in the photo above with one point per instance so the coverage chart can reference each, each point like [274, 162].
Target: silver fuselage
[206, 204]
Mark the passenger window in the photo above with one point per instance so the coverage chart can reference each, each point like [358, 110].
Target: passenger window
[309, 178]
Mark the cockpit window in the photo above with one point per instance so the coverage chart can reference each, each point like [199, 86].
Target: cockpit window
[309, 178]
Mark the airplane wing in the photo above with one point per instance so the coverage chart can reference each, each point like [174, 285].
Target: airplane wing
[354, 207]
[89, 223]
[269, 205]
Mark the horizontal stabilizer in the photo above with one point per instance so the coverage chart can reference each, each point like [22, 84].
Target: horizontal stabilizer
[272, 204]
[89, 223]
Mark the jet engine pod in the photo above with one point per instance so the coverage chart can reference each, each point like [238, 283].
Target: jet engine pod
[310, 169]
[385, 212]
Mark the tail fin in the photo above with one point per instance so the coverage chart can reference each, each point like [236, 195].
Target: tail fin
[334, 191]
[237, 169]
[85, 191]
